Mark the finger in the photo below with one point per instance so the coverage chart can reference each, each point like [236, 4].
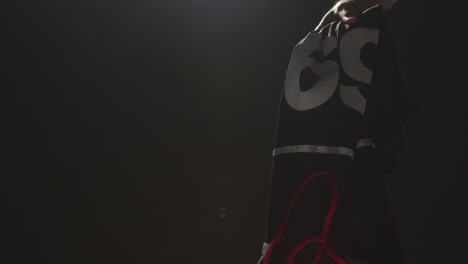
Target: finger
[327, 19]
[347, 12]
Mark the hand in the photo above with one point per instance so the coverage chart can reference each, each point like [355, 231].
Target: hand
[347, 11]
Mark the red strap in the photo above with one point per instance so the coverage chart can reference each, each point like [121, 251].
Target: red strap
[323, 239]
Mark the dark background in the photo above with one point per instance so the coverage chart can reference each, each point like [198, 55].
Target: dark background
[137, 120]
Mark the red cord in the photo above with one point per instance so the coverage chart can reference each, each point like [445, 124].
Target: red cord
[323, 239]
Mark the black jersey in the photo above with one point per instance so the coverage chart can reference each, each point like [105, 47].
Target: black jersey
[338, 133]
[342, 91]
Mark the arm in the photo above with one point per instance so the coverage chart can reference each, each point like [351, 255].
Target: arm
[348, 10]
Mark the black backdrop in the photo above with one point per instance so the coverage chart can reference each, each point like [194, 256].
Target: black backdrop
[136, 121]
